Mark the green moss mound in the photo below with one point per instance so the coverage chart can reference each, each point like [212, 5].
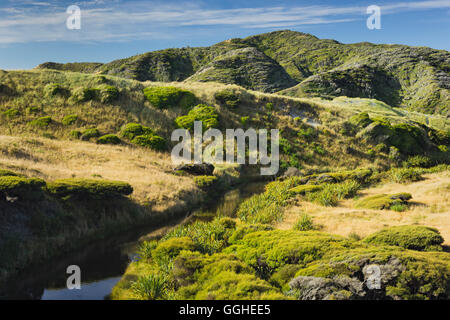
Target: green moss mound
[169, 97]
[267, 251]
[21, 187]
[109, 139]
[409, 237]
[206, 114]
[205, 182]
[56, 89]
[69, 120]
[361, 120]
[383, 201]
[42, 122]
[132, 130]
[89, 134]
[153, 142]
[97, 189]
[109, 94]
[85, 94]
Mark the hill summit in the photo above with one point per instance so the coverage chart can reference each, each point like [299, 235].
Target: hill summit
[300, 65]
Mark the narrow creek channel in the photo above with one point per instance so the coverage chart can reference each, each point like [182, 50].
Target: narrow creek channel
[103, 263]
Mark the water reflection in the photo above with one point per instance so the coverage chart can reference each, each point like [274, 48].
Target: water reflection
[103, 264]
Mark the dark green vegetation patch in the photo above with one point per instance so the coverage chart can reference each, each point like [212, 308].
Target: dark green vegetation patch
[97, 189]
[409, 237]
[169, 97]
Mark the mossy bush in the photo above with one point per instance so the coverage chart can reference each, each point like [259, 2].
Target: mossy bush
[409, 237]
[108, 94]
[228, 98]
[21, 187]
[405, 175]
[150, 141]
[169, 249]
[419, 161]
[206, 114]
[169, 97]
[109, 139]
[245, 229]
[361, 120]
[383, 201]
[133, 130]
[94, 189]
[42, 122]
[267, 251]
[205, 182]
[85, 94]
[69, 119]
[89, 134]
[56, 89]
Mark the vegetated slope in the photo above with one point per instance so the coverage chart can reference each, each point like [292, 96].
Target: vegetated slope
[413, 77]
[97, 108]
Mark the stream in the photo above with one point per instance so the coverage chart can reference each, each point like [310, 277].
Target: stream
[102, 264]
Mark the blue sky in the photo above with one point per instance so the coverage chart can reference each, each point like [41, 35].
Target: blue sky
[32, 32]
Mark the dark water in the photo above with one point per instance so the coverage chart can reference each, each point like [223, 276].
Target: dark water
[103, 263]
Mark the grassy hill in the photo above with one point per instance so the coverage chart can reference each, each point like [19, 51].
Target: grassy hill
[303, 66]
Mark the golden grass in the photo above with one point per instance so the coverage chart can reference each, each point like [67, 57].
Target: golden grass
[148, 172]
[430, 207]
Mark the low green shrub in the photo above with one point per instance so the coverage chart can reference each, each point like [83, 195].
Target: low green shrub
[89, 134]
[42, 122]
[133, 130]
[244, 121]
[361, 120]
[206, 114]
[169, 249]
[96, 189]
[227, 97]
[418, 161]
[69, 120]
[108, 94]
[21, 187]
[405, 175]
[245, 229]
[409, 237]
[109, 139]
[205, 182]
[169, 97]
[267, 251]
[85, 94]
[153, 142]
[54, 89]
[383, 201]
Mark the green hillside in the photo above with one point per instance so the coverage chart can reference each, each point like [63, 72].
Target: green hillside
[303, 66]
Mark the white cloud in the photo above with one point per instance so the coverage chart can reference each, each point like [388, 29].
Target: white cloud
[114, 20]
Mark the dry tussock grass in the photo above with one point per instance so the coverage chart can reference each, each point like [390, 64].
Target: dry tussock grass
[148, 172]
[430, 207]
